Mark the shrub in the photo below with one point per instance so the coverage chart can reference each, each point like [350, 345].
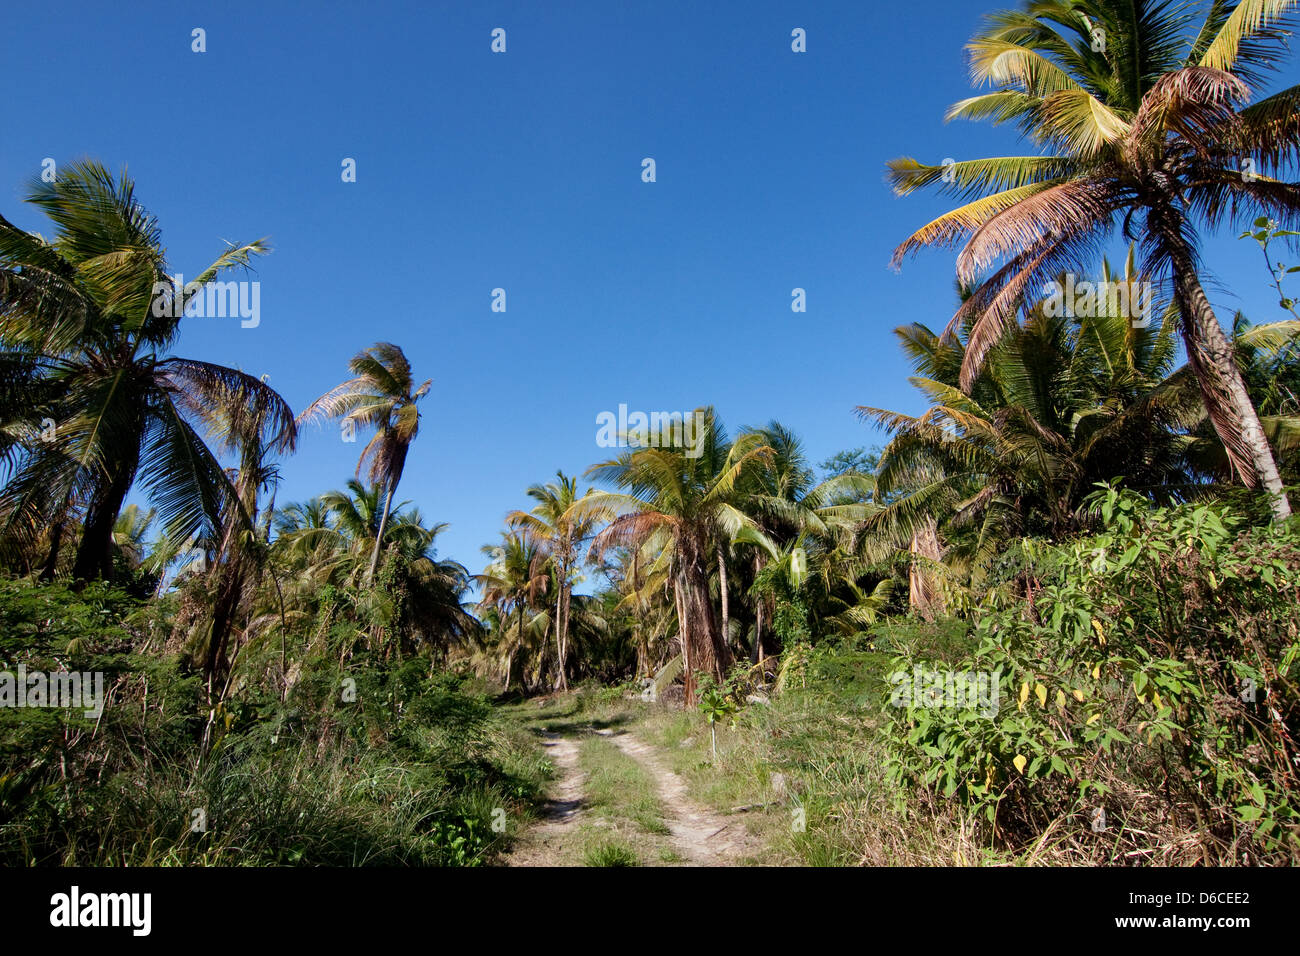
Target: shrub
[1149, 707]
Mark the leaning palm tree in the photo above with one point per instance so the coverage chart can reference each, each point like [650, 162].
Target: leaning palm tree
[381, 395]
[1142, 105]
[89, 316]
[257, 435]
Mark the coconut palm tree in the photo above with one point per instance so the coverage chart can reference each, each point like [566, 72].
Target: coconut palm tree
[257, 434]
[793, 515]
[1142, 107]
[680, 502]
[89, 316]
[381, 395]
[513, 584]
[417, 601]
[559, 531]
[130, 532]
[1059, 404]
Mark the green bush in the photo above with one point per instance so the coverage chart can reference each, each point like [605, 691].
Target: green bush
[1149, 705]
[409, 769]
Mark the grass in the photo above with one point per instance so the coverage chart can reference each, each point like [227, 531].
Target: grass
[270, 794]
[611, 853]
[811, 771]
[619, 788]
[808, 768]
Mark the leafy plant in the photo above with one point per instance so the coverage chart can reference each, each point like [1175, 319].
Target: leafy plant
[1265, 232]
[1149, 683]
[716, 703]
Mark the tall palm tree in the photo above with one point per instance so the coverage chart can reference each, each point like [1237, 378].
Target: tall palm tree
[559, 531]
[330, 541]
[1059, 404]
[90, 316]
[680, 504]
[258, 434]
[1142, 103]
[381, 395]
[793, 515]
[513, 584]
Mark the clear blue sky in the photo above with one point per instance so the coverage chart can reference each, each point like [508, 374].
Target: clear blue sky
[523, 171]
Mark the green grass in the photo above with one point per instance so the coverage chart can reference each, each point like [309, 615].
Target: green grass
[832, 804]
[611, 853]
[618, 788]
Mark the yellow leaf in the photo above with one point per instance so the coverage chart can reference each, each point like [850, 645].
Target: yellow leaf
[1060, 699]
[1142, 698]
[1078, 695]
[1155, 696]
[1024, 695]
[1020, 762]
[1041, 693]
[1094, 718]
[1214, 582]
[1096, 672]
[1101, 635]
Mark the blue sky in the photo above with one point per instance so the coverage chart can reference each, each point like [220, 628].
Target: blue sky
[522, 171]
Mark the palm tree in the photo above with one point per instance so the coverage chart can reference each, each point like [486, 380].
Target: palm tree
[381, 395]
[416, 602]
[797, 520]
[559, 531]
[1059, 404]
[257, 433]
[1142, 103]
[129, 533]
[513, 584]
[680, 504]
[89, 316]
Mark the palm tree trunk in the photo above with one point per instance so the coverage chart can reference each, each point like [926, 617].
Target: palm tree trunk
[563, 615]
[922, 584]
[684, 636]
[1213, 359]
[383, 526]
[722, 591]
[708, 652]
[519, 642]
[52, 558]
[230, 592]
[95, 553]
[567, 594]
[560, 682]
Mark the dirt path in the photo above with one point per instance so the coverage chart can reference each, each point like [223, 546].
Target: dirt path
[542, 844]
[701, 837]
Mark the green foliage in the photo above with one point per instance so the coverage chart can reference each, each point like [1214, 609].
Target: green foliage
[1265, 232]
[716, 702]
[610, 853]
[409, 767]
[1152, 678]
